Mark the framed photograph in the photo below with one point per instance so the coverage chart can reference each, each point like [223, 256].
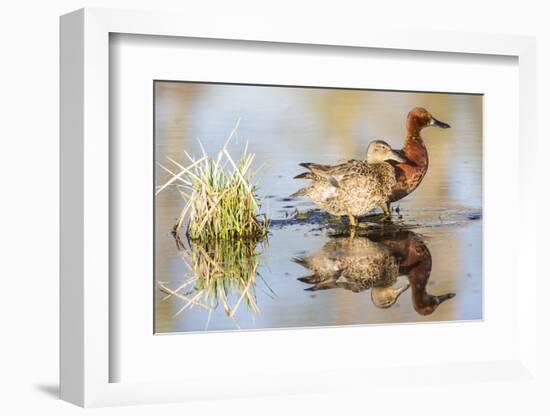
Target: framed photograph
[297, 259]
[270, 212]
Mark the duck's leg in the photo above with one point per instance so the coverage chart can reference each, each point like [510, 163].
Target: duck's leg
[387, 211]
[352, 225]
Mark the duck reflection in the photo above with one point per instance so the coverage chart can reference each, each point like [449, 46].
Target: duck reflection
[375, 262]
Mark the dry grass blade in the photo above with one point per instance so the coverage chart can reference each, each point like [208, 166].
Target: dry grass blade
[178, 176]
[189, 301]
[192, 301]
[176, 291]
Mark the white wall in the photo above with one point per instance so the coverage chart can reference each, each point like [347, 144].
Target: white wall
[29, 218]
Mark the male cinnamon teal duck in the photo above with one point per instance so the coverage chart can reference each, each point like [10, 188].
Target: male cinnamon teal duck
[415, 261]
[410, 172]
[356, 187]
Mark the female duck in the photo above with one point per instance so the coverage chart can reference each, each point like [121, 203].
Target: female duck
[356, 187]
[357, 265]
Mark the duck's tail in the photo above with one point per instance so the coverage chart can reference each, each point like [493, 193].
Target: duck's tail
[309, 175]
[318, 172]
[312, 279]
[306, 175]
[300, 192]
[322, 285]
[314, 166]
[300, 260]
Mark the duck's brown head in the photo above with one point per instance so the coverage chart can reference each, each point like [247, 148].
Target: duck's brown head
[419, 118]
[426, 304]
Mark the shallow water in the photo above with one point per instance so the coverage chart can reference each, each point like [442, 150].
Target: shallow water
[441, 220]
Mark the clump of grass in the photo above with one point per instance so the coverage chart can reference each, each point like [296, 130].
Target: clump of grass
[221, 200]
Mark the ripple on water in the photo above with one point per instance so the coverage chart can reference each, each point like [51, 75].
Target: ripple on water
[405, 219]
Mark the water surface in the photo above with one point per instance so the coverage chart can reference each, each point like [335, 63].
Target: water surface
[441, 221]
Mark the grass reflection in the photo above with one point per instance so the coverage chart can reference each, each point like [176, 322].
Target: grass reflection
[221, 273]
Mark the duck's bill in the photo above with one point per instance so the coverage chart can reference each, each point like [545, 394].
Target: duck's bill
[440, 124]
[397, 157]
[442, 298]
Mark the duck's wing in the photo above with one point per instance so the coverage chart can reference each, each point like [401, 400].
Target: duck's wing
[352, 168]
[312, 168]
[335, 173]
[379, 178]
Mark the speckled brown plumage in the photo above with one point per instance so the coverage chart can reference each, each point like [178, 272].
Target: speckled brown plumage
[374, 263]
[353, 188]
[352, 264]
[361, 188]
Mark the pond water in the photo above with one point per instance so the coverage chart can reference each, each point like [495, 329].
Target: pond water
[432, 253]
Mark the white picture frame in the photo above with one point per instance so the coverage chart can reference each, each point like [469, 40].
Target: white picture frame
[86, 356]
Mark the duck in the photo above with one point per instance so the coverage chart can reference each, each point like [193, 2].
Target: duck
[356, 265]
[415, 262]
[410, 172]
[376, 261]
[356, 187]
